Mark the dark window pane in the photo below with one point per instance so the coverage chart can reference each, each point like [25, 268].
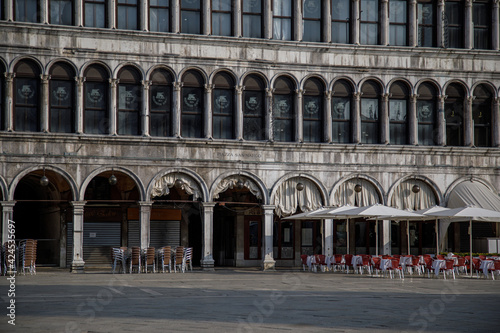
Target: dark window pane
[95, 14]
[397, 122]
[128, 109]
[159, 16]
[95, 103]
[312, 31]
[482, 22]
[368, 28]
[426, 111]
[283, 118]
[61, 106]
[190, 22]
[426, 25]
[369, 120]
[341, 16]
[192, 108]
[61, 12]
[313, 120]
[127, 14]
[221, 24]
[160, 101]
[453, 23]
[282, 21]
[26, 11]
[454, 108]
[253, 126]
[222, 114]
[341, 114]
[191, 4]
[252, 26]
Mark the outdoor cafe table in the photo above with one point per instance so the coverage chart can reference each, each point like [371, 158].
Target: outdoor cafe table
[385, 264]
[437, 265]
[403, 261]
[486, 265]
[356, 261]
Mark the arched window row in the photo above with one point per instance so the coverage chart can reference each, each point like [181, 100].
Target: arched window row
[227, 107]
[424, 23]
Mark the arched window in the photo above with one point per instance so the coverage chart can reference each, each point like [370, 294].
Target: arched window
[95, 101]
[283, 110]
[341, 21]
[95, 13]
[311, 19]
[312, 110]
[341, 112]
[192, 105]
[426, 16]
[61, 12]
[370, 122]
[368, 23]
[159, 15]
[398, 19]
[222, 18]
[129, 101]
[253, 108]
[481, 115]
[223, 107]
[160, 103]
[27, 11]
[191, 16]
[398, 120]
[252, 19]
[127, 14]
[27, 89]
[62, 87]
[454, 115]
[282, 19]
[454, 24]
[426, 114]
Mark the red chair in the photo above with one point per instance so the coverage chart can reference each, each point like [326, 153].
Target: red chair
[320, 261]
[303, 258]
[448, 268]
[376, 264]
[415, 264]
[428, 265]
[348, 262]
[338, 262]
[476, 263]
[460, 265]
[367, 263]
[396, 267]
[440, 257]
[482, 257]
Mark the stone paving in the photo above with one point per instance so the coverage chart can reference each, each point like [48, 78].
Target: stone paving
[248, 300]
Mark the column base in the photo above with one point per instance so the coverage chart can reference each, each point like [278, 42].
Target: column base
[268, 265]
[208, 264]
[78, 267]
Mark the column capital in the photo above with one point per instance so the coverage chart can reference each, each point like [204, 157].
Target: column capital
[413, 98]
[45, 78]
[78, 204]
[80, 80]
[146, 84]
[208, 205]
[496, 100]
[357, 95]
[385, 97]
[496, 3]
[270, 91]
[328, 95]
[114, 82]
[440, 2]
[7, 205]
[208, 88]
[239, 89]
[442, 98]
[468, 3]
[300, 92]
[177, 85]
[9, 77]
[268, 209]
[145, 203]
[470, 99]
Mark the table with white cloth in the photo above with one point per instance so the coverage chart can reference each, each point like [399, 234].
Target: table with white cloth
[403, 261]
[385, 264]
[310, 260]
[486, 265]
[356, 261]
[437, 265]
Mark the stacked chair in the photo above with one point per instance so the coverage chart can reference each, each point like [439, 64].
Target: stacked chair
[180, 261]
[27, 255]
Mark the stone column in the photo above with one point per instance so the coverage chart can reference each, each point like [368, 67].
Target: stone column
[9, 102]
[384, 22]
[495, 29]
[9, 12]
[328, 117]
[206, 21]
[495, 119]
[44, 11]
[326, 34]
[356, 118]
[237, 20]
[268, 19]
[176, 111]
[355, 22]
[79, 104]
[413, 121]
[412, 24]
[44, 108]
[145, 108]
[63, 234]
[112, 14]
[299, 117]
[77, 265]
[269, 114]
[386, 237]
[441, 122]
[297, 20]
[143, 15]
[145, 213]
[328, 238]
[238, 112]
[175, 16]
[268, 262]
[7, 214]
[468, 25]
[440, 24]
[468, 122]
[79, 13]
[208, 114]
[113, 108]
[385, 133]
[207, 260]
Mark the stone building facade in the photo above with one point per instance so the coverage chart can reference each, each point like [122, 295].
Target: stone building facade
[203, 123]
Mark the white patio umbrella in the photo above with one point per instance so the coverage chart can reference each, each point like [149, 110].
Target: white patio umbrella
[377, 211]
[469, 213]
[325, 213]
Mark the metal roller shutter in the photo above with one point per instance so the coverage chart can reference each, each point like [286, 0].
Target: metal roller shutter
[162, 233]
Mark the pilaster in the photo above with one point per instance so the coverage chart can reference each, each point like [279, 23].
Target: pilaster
[44, 108]
[238, 112]
[9, 102]
[356, 118]
[145, 116]
[412, 121]
[145, 213]
[207, 117]
[79, 104]
[77, 265]
[299, 116]
[113, 84]
[207, 261]
[327, 128]
[176, 111]
[268, 262]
